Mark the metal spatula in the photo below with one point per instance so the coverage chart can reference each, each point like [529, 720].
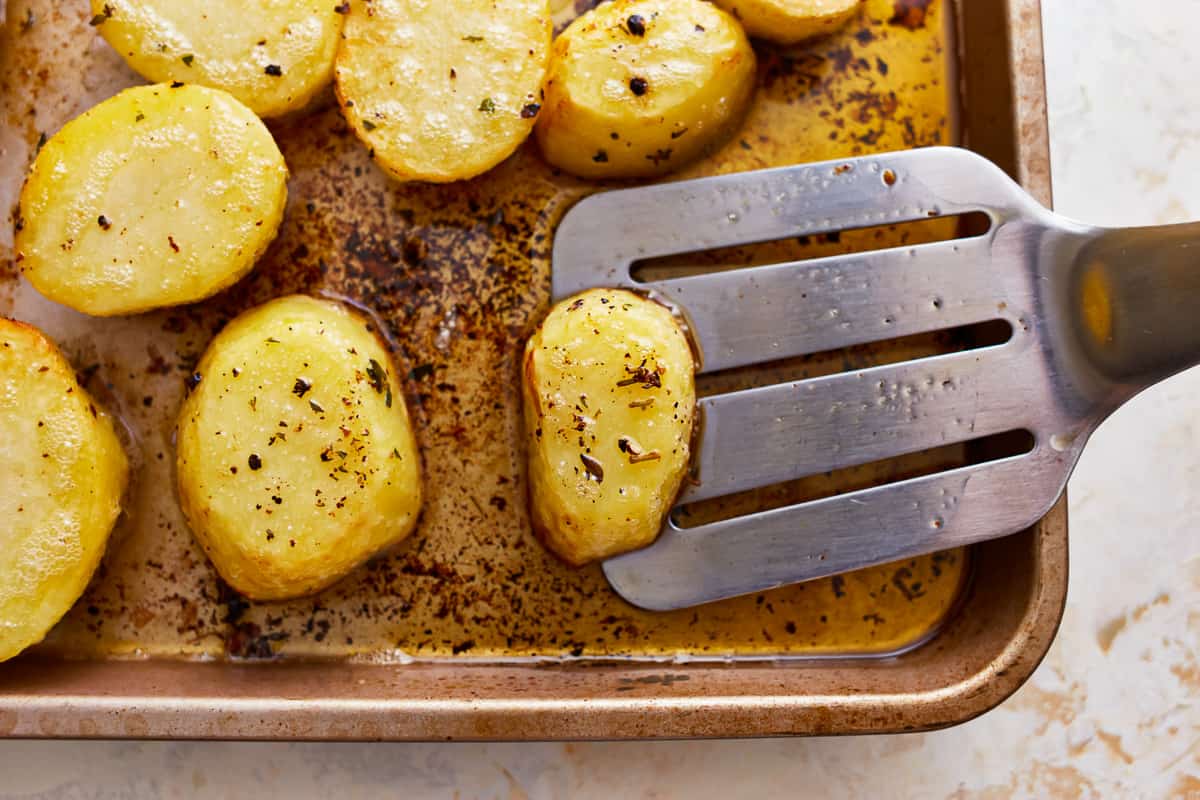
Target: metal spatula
[1096, 315]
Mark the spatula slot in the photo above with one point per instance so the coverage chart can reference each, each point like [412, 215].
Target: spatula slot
[981, 450]
[958, 339]
[791, 249]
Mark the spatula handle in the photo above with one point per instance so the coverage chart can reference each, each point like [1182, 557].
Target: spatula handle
[1136, 293]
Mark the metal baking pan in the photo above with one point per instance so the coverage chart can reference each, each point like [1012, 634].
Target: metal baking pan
[469, 630]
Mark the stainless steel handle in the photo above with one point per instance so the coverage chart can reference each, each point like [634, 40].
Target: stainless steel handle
[1136, 295]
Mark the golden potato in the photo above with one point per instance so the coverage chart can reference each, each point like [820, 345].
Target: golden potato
[158, 196]
[609, 397]
[791, 21]
[63, 472]
[638, 88]
[442, 93]
[296, 459]
[273, 55]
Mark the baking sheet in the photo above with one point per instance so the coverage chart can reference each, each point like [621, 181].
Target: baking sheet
[1005, 621]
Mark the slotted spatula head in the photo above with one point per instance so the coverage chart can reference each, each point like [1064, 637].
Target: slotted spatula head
[1065, 366]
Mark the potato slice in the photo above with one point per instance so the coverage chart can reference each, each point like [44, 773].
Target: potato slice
[63, 472]
[273, 55]
[155, 197]
[296, 458]
[610, 396]
[638, 88]
[442, 93]
[791, 21]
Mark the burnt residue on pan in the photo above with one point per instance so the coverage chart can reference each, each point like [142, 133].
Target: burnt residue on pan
[457, 276]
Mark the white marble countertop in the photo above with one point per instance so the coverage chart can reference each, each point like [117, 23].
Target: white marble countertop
[1115, 708]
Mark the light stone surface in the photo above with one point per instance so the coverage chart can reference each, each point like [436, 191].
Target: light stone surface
[1113, 711]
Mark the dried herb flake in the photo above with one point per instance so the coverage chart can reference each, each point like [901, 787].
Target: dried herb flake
[102, 17]
[593, 467]
[377, 375]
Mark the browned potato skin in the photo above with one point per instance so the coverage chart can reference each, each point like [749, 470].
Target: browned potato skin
[609, 403]
[642, 101]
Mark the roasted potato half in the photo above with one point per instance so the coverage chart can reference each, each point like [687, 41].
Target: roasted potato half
[639, 88]
[442, 92]
[296, 459]
[610, 397]
[62, 473]
[273, 55]
[791, 21]
[158, 196]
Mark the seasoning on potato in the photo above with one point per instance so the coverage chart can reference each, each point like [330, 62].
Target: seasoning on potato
[63, 473]
[791, 21]
[442, 94]
[639, 88]
[296, 459]
[273, 55]
[610, 398]
[159, 196]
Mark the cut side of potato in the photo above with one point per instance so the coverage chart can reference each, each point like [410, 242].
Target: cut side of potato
[296, 459]
[639, 88]
[442, 93]
[159, 196]
[63, 472]
[610, 398]
[273, 55]
[791, 21]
